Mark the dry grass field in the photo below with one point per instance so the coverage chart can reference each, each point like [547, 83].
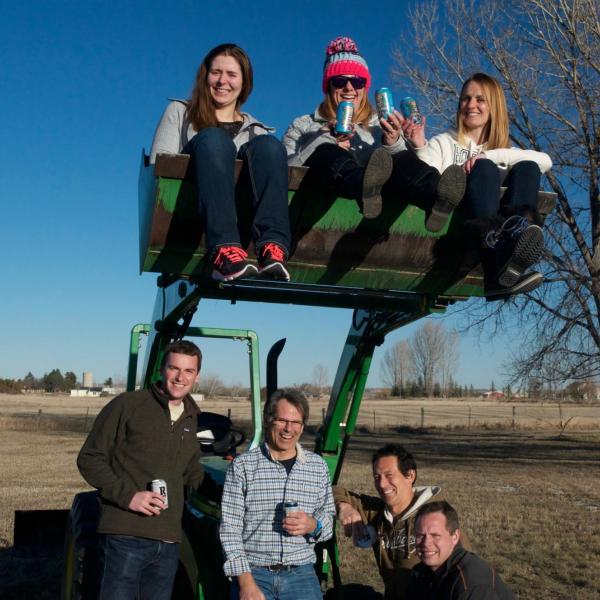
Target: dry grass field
[529, 498]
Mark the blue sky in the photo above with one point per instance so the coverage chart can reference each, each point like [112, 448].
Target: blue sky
[84, 84]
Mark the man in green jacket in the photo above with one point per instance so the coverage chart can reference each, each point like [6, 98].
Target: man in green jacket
[139, 437]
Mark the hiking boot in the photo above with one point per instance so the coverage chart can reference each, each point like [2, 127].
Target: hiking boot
[229, 263]
[450, 190]
[272, 262]
[518, 245]
[523, 284]
[377, 172]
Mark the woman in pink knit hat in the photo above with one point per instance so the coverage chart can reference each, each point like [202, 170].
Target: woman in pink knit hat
[359, 164]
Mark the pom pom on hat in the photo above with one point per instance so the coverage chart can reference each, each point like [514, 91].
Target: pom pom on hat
[342, 58]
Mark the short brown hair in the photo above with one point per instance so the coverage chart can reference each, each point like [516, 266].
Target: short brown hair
[496, 129]
[443, 507]
[182, 347]
[201, 110]
[293, 396]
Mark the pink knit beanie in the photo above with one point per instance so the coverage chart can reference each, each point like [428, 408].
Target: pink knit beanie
[342, 58]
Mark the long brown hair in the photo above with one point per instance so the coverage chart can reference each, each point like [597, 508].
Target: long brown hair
[201, 110]
[362, 116]
[495, 133]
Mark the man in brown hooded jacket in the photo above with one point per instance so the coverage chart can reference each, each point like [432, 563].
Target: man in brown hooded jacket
[387, 522]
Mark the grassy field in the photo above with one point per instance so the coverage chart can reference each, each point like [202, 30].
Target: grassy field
[529, 498]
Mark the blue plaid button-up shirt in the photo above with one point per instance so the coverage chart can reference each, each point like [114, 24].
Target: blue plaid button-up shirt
[256, 486]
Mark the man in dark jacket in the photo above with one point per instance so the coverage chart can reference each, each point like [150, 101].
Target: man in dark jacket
[447, 571]
[139, 437]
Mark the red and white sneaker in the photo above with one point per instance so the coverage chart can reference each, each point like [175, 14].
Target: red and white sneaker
[272, 261]
[229, 263]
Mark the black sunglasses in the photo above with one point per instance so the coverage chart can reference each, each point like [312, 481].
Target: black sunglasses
[339, 81]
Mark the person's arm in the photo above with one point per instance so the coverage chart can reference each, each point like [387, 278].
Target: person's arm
[232, 522]
[325, 511]
[167, 138]
[302, 138]
[94, 460]
[508, 157]
[435, 153]
[477, 592]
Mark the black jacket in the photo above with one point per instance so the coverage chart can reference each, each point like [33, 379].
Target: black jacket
[464, 576]
[131, 443]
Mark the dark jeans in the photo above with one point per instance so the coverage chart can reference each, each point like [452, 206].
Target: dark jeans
[296, 583]
[213, 155]
[137, 568]
[482, 198]
[332, 168]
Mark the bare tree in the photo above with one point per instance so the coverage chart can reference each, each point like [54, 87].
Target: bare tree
[430, 346]
[546, 53]
[397, 367]
[320, 377]
[448, 361]
[210, 385]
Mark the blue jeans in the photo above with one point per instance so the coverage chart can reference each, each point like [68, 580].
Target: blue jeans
[295, 583]
[137, 568]
[264, 173]
[482, 198]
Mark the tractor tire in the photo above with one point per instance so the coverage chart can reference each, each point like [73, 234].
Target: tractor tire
[81, 551]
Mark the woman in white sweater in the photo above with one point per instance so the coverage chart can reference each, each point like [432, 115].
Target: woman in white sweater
[213, 130]
[510, 236]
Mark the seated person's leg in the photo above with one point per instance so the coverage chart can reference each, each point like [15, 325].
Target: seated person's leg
[213, 156]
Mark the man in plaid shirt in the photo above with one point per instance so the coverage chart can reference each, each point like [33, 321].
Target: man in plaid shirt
[271, 554]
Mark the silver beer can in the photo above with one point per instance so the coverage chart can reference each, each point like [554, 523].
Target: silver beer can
[159, 486]
[290, 507]
[410, 110]
[345, 112]
[384, 102]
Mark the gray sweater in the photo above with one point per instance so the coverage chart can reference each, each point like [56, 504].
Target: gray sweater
[308, 132]
[174, 130]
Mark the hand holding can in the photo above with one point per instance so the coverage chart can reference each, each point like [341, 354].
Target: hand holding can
[410, 110]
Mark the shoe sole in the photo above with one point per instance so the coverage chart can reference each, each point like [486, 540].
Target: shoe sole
[276, 271]
[526, 284]
[450, 190]
[526, 253]
[377, 172]
[247, 271]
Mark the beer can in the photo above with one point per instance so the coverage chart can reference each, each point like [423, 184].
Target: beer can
[410, 110]
[159, 486]
[345, 112]
[384, 102]
[290, 507]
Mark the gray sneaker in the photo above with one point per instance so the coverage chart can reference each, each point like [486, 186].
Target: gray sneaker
[449, 192]
[525, 283]
[519, 245]
[377, 172]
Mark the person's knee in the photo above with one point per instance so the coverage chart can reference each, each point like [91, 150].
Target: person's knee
[213, 140]
[268, 147]
[484, 166]
[528, 167]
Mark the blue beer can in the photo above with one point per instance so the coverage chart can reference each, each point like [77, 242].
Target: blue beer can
[410, 110]
[345, 112]
[384, 102]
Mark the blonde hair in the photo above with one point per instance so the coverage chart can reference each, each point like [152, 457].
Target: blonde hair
[495, 133]
[201, 109]
[362, 116]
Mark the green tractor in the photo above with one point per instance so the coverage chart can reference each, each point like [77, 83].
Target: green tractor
[389, 270]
